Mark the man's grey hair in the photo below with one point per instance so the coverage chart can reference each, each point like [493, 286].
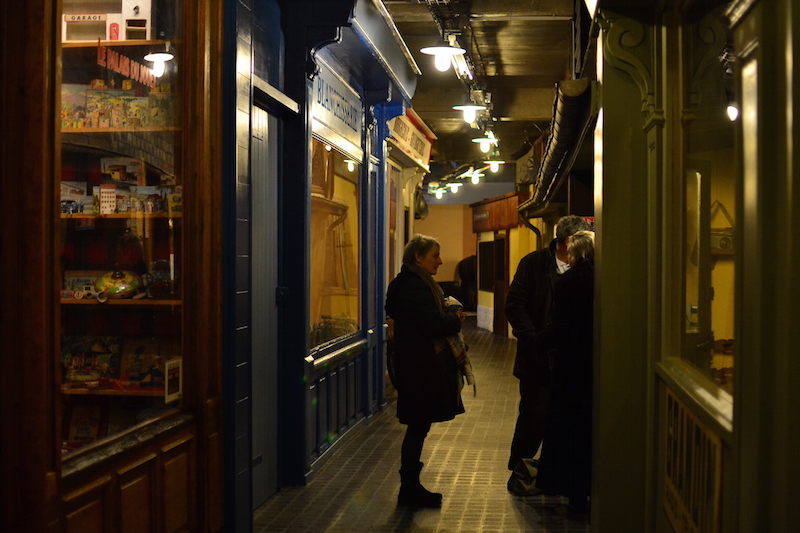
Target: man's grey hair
[569, 225]
[419, 244]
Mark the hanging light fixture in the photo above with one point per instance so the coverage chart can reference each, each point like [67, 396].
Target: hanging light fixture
[475, 178]
[470, 111]
[351, 165]
[443, 53]
[494, 163]
[494, 166]
[454, 187]
[439, 193]
[159, 60]
[486, 142]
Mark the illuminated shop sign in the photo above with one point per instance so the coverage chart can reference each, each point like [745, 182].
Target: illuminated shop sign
[410, 138]
[337, 106]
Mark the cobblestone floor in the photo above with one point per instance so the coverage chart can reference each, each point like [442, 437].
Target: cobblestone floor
[465, 459]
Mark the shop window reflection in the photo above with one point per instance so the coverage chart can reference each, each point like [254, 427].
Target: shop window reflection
[709, 193]
[335, 277]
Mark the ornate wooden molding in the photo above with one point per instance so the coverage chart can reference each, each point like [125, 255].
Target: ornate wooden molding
[313, 25]
[712, 33]
[627, 47]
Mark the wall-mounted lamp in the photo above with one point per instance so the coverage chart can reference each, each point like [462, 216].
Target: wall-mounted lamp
[443, 53]
[733, 108]
[351, 165]
[159, 60]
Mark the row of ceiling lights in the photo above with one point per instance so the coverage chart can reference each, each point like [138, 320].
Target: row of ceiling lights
[447, 54]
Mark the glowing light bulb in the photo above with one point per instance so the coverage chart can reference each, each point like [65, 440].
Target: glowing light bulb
[443, 53]
[469, 111]
[439, 193]
[158, 68]
[351, 165]
[487, 142]
[475, 179]
[470, 114]
[494, 164]
[441, 62]
[733, 113]
[159, 60]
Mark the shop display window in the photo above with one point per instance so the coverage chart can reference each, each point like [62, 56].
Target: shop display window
[121, 218]
[335, 237]
[709, 191]
[395, 197]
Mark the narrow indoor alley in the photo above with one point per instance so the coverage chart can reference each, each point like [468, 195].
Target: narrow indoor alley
[465, 459]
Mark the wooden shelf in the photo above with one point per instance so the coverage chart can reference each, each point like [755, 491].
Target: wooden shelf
[122, 215]
[127, 42]
[122, 130]
[143, 302]
[114, 392]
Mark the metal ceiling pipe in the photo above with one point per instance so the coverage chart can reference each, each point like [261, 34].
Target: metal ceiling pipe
[573, 117]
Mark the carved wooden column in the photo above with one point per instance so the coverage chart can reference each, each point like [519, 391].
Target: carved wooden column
[628, 182]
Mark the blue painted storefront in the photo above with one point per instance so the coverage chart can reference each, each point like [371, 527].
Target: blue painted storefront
[286, 406]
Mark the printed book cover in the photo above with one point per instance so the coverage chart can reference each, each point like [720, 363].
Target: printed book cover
[163, 109]
[104, 108]
[90, 357]
[73, 105]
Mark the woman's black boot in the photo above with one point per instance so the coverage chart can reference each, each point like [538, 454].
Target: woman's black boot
[412, 493]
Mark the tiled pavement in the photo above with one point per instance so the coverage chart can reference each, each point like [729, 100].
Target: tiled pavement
[465, 459]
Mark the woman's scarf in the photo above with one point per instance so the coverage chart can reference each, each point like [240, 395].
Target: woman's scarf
[438, 293]
[454, 342]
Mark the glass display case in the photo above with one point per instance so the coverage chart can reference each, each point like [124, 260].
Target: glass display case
[121, 218]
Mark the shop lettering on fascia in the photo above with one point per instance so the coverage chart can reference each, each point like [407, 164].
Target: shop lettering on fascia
[408, 136]
[337, 106]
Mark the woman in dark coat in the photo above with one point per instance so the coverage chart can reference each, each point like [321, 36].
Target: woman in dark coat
[424, 370]
[566, 462]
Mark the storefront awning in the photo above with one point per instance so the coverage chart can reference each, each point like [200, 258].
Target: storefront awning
[373, 51]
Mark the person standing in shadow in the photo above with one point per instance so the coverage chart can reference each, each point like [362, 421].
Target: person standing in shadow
[565, 467]
[422, 361]
[528, 307]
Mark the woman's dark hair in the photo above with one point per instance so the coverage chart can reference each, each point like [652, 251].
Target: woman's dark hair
[419, 244]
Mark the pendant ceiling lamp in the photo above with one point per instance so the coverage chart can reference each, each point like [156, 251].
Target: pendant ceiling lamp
[470, 111]
[443, 53]
[159, 60]
[494, 162]
[487, 142]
